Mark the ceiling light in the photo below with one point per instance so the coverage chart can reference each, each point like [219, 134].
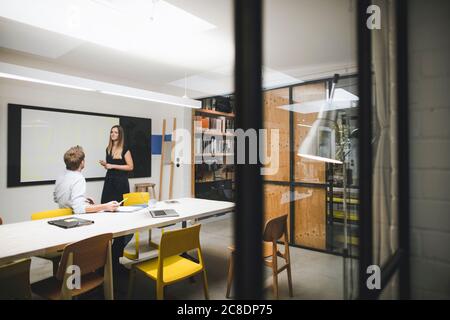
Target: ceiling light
[220, 80]
[12, 71]
[16, 77]
[174, 36]
[342, 100]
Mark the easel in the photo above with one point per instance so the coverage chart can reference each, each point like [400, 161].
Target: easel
[172, 154]
[161, 174]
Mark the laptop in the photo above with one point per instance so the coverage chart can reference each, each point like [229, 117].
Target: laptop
[70, 222]
[163, 213]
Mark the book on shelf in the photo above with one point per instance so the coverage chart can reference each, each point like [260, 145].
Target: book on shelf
[205, 123]
[220, 124]
[214, 146]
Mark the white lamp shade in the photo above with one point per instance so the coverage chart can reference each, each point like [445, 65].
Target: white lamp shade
[319, 143]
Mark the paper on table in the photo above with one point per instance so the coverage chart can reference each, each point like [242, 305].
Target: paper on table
[128, 209]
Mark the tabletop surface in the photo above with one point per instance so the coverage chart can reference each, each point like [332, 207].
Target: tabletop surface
[29, 238]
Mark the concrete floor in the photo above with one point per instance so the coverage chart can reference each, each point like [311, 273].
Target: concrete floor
[315, 275]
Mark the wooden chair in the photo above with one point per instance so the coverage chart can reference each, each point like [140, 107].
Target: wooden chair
[15, 280]
[274, 230]
[54, 257]
[170, 267]
[89, 255]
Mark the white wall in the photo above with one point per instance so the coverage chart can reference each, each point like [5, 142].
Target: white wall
[429, 71]
[17, 204]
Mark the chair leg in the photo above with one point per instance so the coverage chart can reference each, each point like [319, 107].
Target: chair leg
[159, 291]
[131, 283]
[275, 271]
[291, 292]
[108, 286]
[288, 262]
[230, 274]
[205, 285]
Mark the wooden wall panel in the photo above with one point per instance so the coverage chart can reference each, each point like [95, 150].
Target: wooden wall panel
[276, 202]
[307, 170]
[310, 217]
[275, 118]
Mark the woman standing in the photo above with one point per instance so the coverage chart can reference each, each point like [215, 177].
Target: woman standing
[118, 163]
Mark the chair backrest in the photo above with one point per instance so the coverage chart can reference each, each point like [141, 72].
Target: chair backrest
[134, 198]
[89, 254]
[275, 228]
[51, 214]
[178, 241]
[15, 280]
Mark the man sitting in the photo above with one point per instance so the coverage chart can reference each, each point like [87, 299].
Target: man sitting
[70, 188]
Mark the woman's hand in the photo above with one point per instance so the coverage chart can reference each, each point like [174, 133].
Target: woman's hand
[106, 165]
[103, 163]
[109, 166]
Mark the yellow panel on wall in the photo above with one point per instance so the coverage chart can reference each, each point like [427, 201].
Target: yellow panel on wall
[277, 119]
[310, 217]
[276, 202]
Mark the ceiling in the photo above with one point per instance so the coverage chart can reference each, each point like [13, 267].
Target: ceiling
[303, 39]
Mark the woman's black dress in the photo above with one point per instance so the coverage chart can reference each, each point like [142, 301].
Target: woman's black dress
[116, 184]
[116, 181]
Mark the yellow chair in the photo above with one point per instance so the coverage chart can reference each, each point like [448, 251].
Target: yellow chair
[15, 280]
[170, 267]
[56, 256]
[132, 199]
[51, 214]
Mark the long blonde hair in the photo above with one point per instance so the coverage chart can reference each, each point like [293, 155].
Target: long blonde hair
[120, 143]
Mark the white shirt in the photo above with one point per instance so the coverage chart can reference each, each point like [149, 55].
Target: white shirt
[70, 190]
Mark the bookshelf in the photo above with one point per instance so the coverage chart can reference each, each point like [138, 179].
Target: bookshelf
[213, 149]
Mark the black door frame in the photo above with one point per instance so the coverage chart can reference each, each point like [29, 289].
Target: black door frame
[399, 261]
[248, 219]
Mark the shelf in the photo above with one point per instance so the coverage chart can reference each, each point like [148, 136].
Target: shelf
[215, 155]
[341, 200]
[210, 181]
[214, 133]
[352, 240]
[215, 113]
[350, 216]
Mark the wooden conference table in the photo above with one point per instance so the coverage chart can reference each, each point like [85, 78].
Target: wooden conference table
[32, 238]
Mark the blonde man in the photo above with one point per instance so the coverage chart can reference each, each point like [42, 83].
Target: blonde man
[70, 188]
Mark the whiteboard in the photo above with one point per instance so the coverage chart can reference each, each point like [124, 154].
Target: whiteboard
[47, 135]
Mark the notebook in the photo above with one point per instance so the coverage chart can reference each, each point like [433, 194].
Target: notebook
[70, 222]
[164, 213]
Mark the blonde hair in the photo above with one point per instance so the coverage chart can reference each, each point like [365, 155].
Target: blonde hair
[73, 158]
[120, 143]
